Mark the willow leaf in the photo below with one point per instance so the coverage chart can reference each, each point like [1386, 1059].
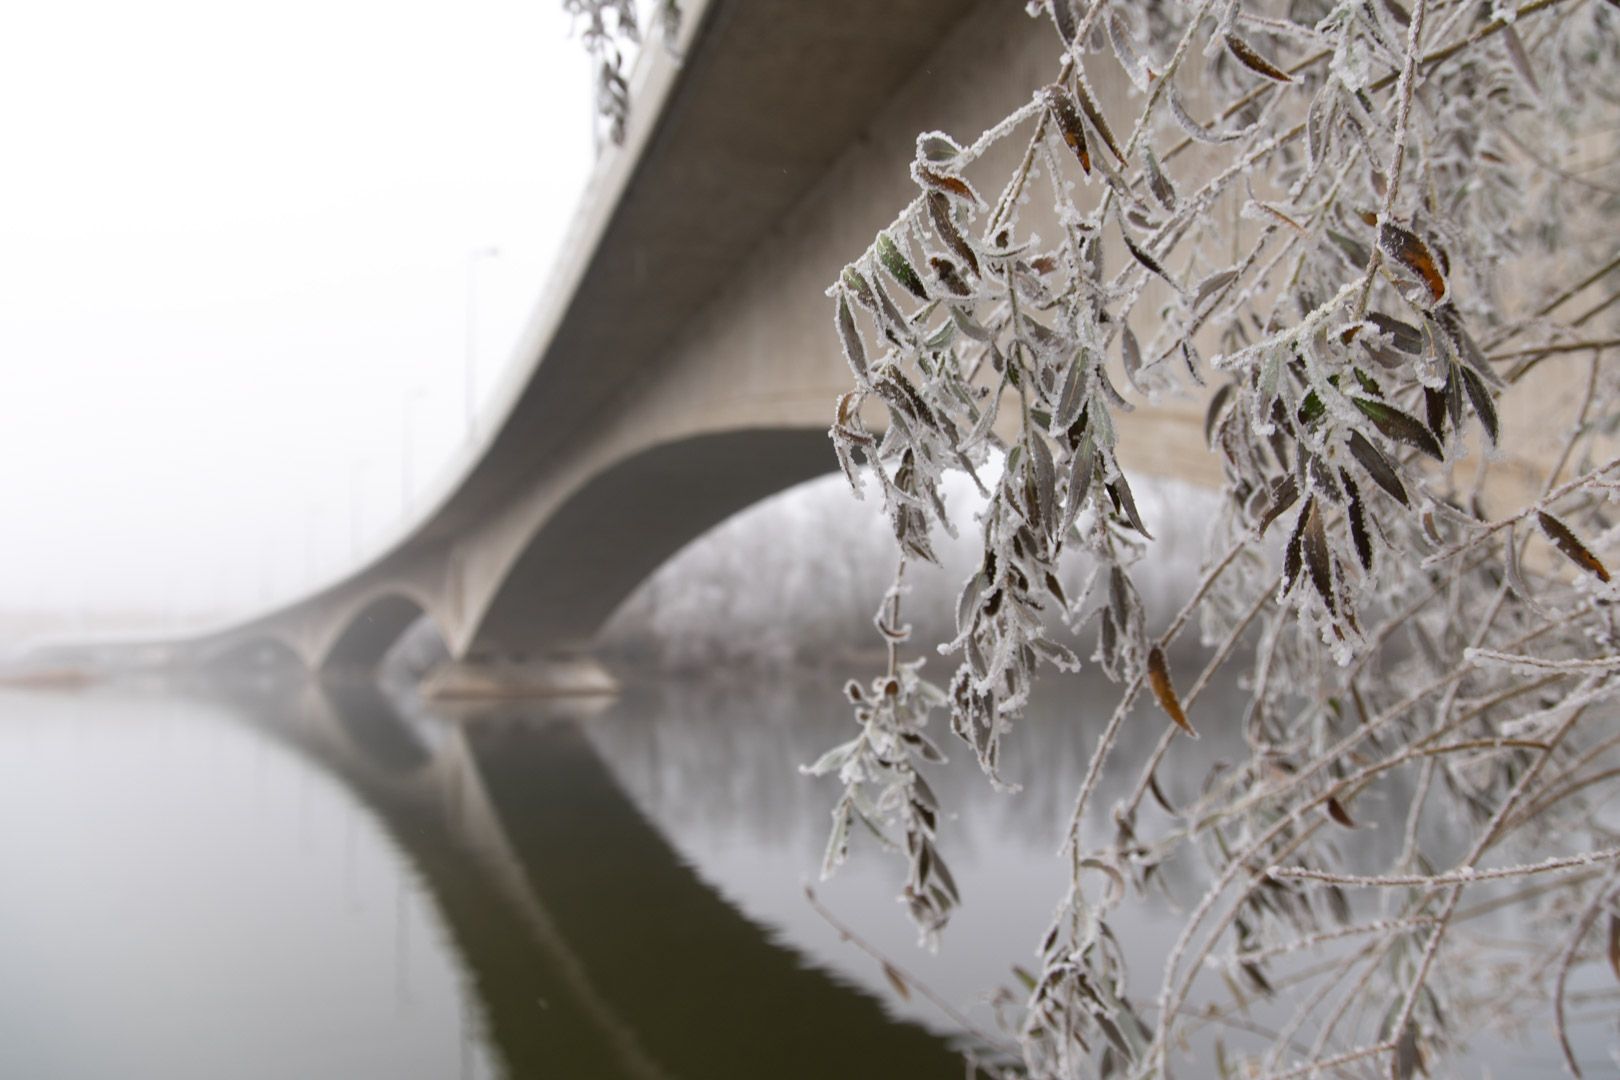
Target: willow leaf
[1121, 491]
[1359, 536]
[1572, 548]
[1370, 458]
[899, 267]
[1063, 111]
[1284, 493]
[1254, 61]
[850, 337]
[1400, 427]
[1158, 183]
[1165, 691]
[939, 213]
[1094, 114]
[1404, 247]
[1317, 559]
[951, 185]
[1479, 396]
[1217, 404]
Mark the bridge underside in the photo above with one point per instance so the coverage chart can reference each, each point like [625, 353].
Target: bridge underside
[687, 366]
[362, 643]
[608, 538]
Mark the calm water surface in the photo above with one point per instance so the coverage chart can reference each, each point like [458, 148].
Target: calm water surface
[282, 880]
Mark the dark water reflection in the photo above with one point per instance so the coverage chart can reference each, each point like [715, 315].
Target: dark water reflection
[291, 881]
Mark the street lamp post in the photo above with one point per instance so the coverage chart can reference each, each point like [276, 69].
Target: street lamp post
[311, 516]
[407, 449]
[356, 469]
[474, 257]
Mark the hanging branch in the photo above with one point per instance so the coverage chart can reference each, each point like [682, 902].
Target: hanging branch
[1329, 250]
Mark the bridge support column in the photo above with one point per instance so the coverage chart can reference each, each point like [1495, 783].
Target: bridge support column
[557, 674]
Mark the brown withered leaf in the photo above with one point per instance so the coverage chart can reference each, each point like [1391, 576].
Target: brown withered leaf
[1254, 61]
[1145, 259]
[1062, 108]
[1339, 814]
[1317, 559]
[939, 212]
[1165, 691]
[1097, 119]
[952, 185]
[1403, 246]
[846, 405]
[1572, 548]
[1614, 944]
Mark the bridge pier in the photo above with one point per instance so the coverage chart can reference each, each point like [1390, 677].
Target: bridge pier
[545, 675]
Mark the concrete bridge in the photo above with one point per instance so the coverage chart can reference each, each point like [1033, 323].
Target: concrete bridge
[682, 364]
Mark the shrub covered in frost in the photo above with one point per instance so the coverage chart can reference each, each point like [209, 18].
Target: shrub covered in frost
[1378, 237]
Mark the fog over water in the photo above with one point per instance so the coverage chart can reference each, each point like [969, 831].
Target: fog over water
[244, 268]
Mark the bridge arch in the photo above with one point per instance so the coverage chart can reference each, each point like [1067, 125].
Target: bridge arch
[619, 526]
[359, 639]
[251, 652]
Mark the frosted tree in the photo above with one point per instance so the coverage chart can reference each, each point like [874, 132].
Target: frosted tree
[610, 30]
[1379, 238]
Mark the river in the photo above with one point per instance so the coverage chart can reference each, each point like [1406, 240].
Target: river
[276, 879]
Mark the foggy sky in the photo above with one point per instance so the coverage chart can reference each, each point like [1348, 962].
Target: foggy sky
[234, 256]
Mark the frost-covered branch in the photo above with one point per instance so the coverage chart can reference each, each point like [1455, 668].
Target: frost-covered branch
[1466, 876]
[1317, 214]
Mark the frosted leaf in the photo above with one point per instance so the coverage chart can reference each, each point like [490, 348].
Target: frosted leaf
[1350, 63]
[1339, 384]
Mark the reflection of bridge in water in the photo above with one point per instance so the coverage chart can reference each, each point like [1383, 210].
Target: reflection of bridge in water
[592, 948]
